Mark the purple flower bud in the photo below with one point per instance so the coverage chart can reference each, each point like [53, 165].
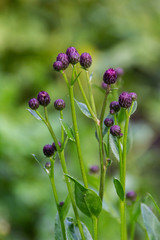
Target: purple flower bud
[85, 60]
[131, 195]
[108, 122]
[54, 146]
[48, 150]
[133, 96]
[33, 103]
[94, 169]
[61, 204]
[43, 98]
[59, 104]
[125, 100]
[70, 50]
[114, 107]
[58, 66]
[116, 131]
[119, 71]
[74, 58]
[110, 76]
[62, 57]
[104, 85]
[48, 165]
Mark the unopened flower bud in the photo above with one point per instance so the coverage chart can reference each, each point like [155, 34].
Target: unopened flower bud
[48, 165]
[33, 103]
[116, 131]
[119, 71]
[59, 104]
[125, 100]
[54, 146]
[58, 66]
[114, 107]
[104, 85]
[74, 58]
[61, 204]
[94, 169]
[62, 57]
[85, 60]
[133, 96]
[70, 50]
[43, 98]
[131, 195]
[108, 122]
[110, 76]
[48, 150]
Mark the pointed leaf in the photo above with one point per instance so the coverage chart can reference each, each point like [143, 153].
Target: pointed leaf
[65, 207]
[133, 108]
[40, 164]
[119, 188]
[114, 146]
[68, 130]
[151, 222]
[84, 109]
[86, 199]
[72, 230]
[157, 207]
[72, 83]
[34, 114]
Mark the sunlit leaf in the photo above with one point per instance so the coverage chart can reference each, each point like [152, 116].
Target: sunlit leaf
[34, 114]
[84, 109]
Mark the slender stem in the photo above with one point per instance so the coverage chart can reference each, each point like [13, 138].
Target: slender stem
[91, 93]
[123, 179]
[74, 119]
[95, 227]
[108, 133]
[64, 167]
[132, 230]
[51, 176]
[62, 130]
[101, 150]
[86, 100]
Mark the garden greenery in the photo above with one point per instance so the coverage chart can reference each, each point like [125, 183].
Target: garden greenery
[113, 140]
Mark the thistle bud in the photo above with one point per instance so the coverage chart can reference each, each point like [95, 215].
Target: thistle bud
[59, 104]
[125, 100]
[62, 57]
[108, 122]
[94, 169]
[131, 195]
[48, 150]
[58, 66]
[116, 131]
[110, 76]
[133, 96]
[85, 60]
[33, 104]
[54, 146]
[43, 98]
[114, 107]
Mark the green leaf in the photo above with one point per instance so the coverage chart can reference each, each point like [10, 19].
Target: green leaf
[57, 230]
[41, 165]
[151, 222]
[133, 108]
[90, 77]
[119, 188]
[114, 146]
[68, 130]
[157, 207]
[72, 83]
[34, 114]
[72, 230]
[121, 116]
[65, 207]
[84, 109]
[86, 199]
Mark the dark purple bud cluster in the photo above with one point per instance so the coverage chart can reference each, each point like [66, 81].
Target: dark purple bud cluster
[125, 100]
[94, 169]
[116, 131]
[33, 103]
[133, 96]
[48, 150]
[110, 76]
[114, 107]
[59, 104]
[85, 60]
[72, 56]
[43, 98]
[108, 122]
[131, 195]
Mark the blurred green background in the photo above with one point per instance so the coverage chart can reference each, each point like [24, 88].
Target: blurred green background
[32, 32]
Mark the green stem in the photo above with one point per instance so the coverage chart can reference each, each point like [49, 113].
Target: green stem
[132, 230]
[91, 93]
[95, 228]
[86, 100]
[123, 179]
[51, 176]
[74, 119]
[62, 130]
[101, 150]
[65, 171]
[108, 133]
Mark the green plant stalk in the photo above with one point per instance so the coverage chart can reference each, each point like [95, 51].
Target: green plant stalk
[90, 92]
[108, 133]
[123, 179]
[51, 176]
[95, 228]
[62, 130]
[74, 120]
[101, 149]
[86, 100]
[132, 230]
[65, 171]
